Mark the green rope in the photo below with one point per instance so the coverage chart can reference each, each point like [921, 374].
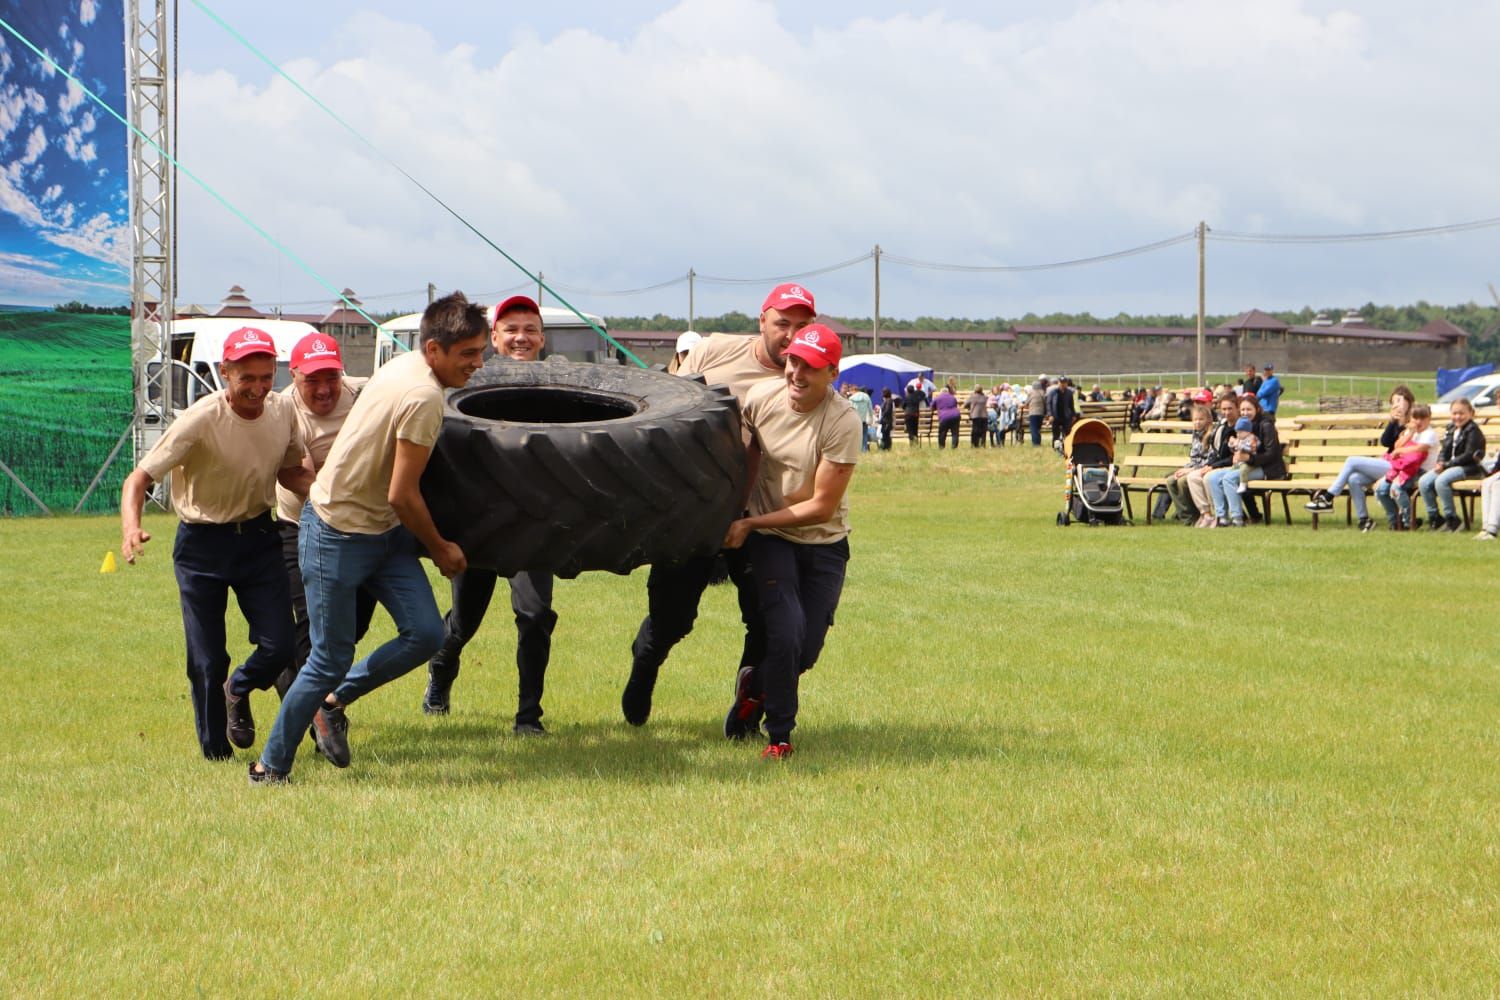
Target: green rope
[400, 169]
[199, 181]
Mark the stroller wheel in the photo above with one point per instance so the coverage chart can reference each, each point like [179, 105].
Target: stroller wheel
[1062, 519]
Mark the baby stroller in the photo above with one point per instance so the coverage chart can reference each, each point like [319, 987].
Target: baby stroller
[1094, 495]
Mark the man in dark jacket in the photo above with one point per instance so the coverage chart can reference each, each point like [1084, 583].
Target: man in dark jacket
[1062, 407]
[887, 418]
[913, 409]
[1460, 458]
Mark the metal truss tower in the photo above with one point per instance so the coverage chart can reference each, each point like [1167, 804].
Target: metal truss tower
[151, 203]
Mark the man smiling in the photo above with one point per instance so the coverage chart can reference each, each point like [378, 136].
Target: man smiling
[517, 334]
[227, 452]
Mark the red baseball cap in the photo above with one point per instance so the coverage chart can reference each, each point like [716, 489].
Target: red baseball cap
[247, 340]
[516, 303]
[818, 345]
[316, 353]
[786, 297]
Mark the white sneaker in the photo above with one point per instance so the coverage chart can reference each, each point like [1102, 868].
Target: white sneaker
[1485, 536]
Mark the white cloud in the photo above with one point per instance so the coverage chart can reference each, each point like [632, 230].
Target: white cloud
[12, 107]
[45, 66]
[77, 52]
[63, 215]
[18, 203]
[100, 237]
[51, 194]
[721, 136]
[34, 100]
[36, 144]
[62, 31]
[86, 153]
[86, 122]
[87, 10]
[71, 98]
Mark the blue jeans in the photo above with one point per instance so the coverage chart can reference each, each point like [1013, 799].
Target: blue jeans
[1437, 487]
[1395, 499]
[1036, 430]
[1359, 473]
[1223, 490]
[334, 566]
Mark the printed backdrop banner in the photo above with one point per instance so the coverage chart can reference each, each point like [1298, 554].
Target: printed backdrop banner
[64, 257]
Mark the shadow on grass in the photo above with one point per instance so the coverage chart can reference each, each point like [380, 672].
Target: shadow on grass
[483, 751]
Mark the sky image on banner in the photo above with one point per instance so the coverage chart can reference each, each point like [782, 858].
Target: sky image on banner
[64, 257]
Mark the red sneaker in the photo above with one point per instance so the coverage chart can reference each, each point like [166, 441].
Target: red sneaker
[776, 751]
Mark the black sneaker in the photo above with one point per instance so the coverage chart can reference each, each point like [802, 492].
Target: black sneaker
[241, 727]
[635, 700]
[331, 734]
[440, 678]
[266, 776]
[1453, 524]
[1437, 524]
[529, 729]
[744, 715]
[1366, 524]
[284, 682]
[1321, 502]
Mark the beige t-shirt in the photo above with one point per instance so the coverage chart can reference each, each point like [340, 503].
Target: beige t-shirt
[402, 400]
[226, 465]
[728, 359]
[791, 444]
[317, 437]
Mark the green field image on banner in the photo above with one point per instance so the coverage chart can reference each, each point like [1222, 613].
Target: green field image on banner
[66, 401]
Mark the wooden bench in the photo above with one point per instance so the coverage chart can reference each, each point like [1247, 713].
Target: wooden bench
[1147, 473]
[1115, 413]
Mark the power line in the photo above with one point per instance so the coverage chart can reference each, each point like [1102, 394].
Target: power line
[623, 291]
[1390, 234]
[1053, 265]
[787, 277]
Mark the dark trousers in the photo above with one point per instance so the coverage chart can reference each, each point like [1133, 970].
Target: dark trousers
[531, 600]
[911, 428]
[885, 437]
[1036, 430]
[1060, 429]
[979, 433]
[797, 589]
[673, 591]
[364, 601]
[210, 561]
[947, 427]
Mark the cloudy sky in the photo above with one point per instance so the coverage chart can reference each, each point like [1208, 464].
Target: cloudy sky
[615, 145]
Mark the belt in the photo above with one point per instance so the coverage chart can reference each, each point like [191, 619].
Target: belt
[261, 520]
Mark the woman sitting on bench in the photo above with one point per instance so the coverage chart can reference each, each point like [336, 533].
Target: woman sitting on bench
[1224, 486]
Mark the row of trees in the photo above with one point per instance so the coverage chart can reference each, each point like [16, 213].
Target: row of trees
[1481, 322]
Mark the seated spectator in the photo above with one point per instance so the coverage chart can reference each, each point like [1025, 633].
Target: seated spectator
[1097, 395]
[1401, 462]
[1160, 401]
[1198, 456]
[1460, 458]
[1220, 456]
[1489, 506]
[1265, 463]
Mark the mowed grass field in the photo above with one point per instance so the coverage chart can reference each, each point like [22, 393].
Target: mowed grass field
[66, 402]
[1032, 760]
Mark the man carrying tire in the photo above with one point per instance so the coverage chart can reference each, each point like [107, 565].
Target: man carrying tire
[805, 442]
[366, 524]
[673, 591]
[226, 454]
[517, 334]
[321, 396]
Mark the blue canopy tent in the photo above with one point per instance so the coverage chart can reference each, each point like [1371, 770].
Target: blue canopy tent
[880, 371]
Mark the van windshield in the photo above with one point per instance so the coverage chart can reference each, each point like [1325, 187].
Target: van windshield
[1469, 390]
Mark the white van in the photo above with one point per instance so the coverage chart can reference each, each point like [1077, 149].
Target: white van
[566, 335]
[196, 348]
[1481, 391]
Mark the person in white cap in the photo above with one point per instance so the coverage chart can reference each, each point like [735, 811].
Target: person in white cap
[226, 453]
[321, 396]
[685, 342]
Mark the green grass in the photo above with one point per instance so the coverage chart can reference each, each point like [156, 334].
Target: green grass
[1032, 760]
[66, 402]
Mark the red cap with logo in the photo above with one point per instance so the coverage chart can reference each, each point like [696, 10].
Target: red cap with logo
[316, 353]
[516, 303]
[785, 297]
[247, 340]
[818, 345]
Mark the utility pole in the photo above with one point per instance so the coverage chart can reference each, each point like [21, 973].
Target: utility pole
[1202, 241]
[431, 293]
[875, 330]
[691, 275]
[539, 289]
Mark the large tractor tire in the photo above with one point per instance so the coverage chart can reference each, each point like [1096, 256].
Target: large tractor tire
[561, 468]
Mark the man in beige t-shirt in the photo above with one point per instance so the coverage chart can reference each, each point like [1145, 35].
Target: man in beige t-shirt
[321, 396]
[226, 453]
[805, 445]
[673, 591]
[364, 526]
